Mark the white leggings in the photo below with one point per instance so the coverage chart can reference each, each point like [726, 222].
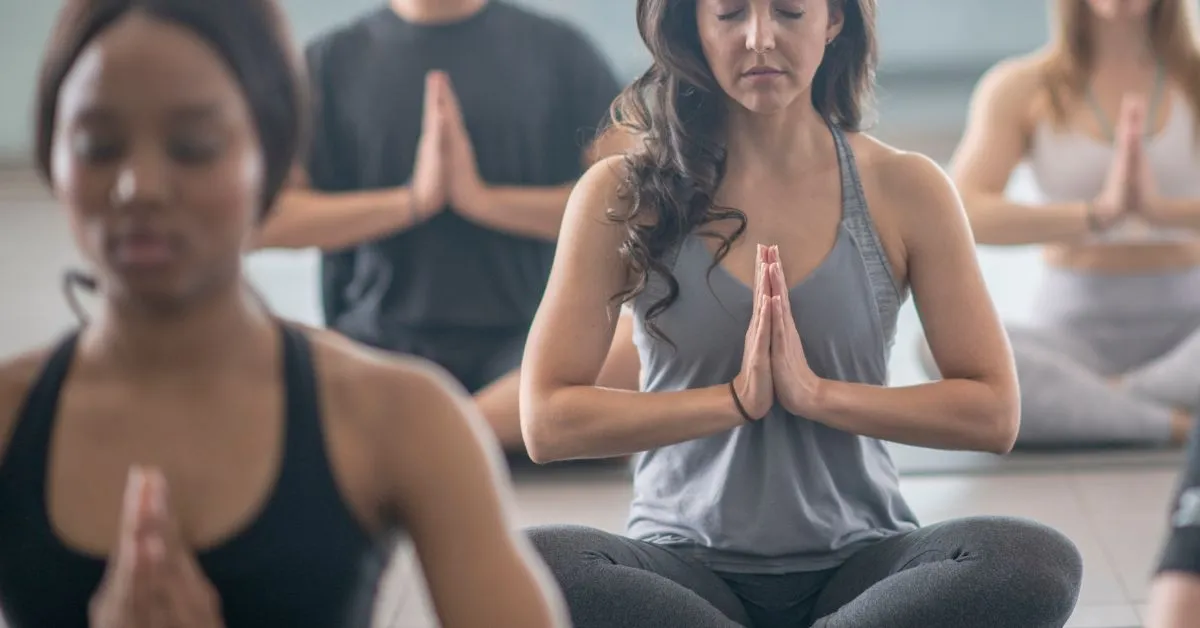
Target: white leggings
[1087, 329]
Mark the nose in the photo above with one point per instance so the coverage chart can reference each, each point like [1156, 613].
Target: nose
[760, 37]
[141, 180]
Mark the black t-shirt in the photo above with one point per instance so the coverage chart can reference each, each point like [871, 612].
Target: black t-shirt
[1182, 552]
[533, 91]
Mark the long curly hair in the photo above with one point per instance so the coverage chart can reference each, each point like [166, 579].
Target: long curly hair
[678, 111]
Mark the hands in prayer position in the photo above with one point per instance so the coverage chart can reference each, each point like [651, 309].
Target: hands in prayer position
[774, 366]
[152, 579]
[446, 173]
[1129, 190]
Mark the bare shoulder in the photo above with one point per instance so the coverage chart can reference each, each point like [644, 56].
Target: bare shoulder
[377, 378]
[392, 401]
[1012, 88]
[17, 376]
[599, 189]
[907, 183]
[1023, 73]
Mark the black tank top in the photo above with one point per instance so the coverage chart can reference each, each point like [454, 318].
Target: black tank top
[305, 561]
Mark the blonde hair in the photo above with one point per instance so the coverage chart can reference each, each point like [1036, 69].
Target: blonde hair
[1172, 37]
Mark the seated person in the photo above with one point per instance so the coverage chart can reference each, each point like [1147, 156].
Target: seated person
[1175, 593]
[1112, 354]
[187, 459]
[448, 137]
[763, 493]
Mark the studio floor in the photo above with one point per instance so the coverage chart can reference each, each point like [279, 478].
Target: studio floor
[1116, 515]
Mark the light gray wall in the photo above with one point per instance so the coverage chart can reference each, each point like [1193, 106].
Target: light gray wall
[929, 36]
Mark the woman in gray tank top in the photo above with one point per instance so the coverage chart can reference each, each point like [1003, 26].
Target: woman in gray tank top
[764, 247]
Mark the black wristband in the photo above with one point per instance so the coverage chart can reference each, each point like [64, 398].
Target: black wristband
[738, 402]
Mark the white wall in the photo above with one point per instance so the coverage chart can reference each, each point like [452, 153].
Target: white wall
[952, 34]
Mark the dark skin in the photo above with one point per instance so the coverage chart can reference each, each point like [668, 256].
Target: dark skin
[180, 370]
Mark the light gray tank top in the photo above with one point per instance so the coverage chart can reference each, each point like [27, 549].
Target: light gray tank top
[783, 494]
[1069, 166]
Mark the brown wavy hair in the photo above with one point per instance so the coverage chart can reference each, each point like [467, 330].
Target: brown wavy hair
[678, 110]
[1172, 37]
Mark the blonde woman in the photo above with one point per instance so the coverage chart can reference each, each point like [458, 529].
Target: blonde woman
[1105, 117]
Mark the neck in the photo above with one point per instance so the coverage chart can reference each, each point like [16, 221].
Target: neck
[436, 11]
[1121, 43]
[198, 338]
[791, 140]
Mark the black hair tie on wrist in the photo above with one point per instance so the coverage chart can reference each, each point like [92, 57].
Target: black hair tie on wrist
[738, 402]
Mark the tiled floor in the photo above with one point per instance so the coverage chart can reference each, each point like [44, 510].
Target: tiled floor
[1116, 519]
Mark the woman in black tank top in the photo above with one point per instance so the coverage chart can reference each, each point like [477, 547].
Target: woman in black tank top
[185, 459]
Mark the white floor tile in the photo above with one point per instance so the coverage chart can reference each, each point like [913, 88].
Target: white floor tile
[1113, 616]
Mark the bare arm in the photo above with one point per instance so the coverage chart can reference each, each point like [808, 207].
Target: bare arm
[564, 414]
[538, 211]
[1175, 593]
[534, 212]
[976, 405]
[332, 221]
[993, 143]
[1174, 601]
[454, 498]
[1181, 213]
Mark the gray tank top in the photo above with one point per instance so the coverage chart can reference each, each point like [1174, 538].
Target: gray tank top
[783, 494]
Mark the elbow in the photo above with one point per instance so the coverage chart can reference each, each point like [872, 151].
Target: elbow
[1004, 423]
[539, 429]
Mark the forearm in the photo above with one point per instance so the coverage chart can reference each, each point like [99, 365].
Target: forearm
[996, 220]
[305, 218]
[528, 211]
[947, 414]
[1174, 601]
[589, 422]
[1181, 213]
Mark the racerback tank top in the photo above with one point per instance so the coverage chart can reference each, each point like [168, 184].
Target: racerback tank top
[783, 494]
[305, 561]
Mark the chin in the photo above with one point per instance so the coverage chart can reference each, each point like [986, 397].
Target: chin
[1120, 10]
[162, 294]
[766, 103]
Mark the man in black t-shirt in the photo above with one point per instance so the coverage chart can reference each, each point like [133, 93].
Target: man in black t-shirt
[447, 137]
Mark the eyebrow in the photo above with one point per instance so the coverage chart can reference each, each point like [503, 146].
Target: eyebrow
[199, 112]
[191, 113]
[96, 115]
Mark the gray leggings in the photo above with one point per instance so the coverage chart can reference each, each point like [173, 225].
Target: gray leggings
[986, 572]
[1088, 329]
